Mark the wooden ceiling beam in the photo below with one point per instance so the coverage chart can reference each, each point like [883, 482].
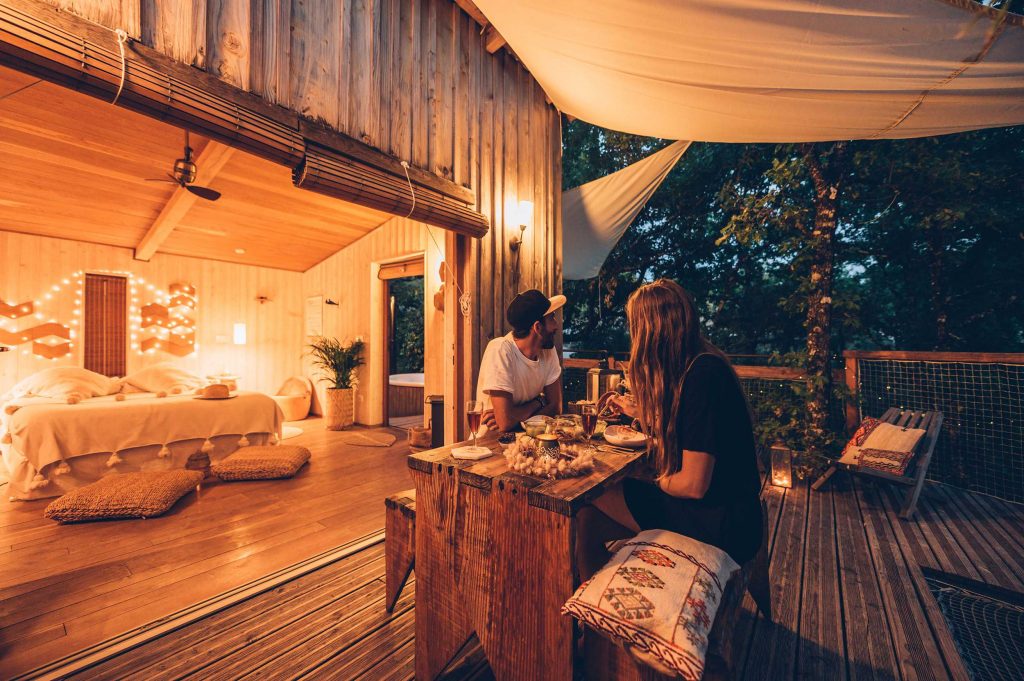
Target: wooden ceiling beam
[493, 40]
[208, 162]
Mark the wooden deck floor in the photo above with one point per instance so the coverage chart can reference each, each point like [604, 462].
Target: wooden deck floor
[849, 596]
[63, 588]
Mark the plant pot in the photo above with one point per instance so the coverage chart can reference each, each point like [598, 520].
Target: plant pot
[341, 408]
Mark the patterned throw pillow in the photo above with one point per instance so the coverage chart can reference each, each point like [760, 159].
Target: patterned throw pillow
[658, 595]
[885, 460]
[866, 427]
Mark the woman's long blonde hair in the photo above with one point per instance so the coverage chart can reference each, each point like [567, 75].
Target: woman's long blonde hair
[665, 336]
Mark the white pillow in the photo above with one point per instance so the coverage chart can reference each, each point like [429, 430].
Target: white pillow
[658, 596]
[164, 378]
[65, 383]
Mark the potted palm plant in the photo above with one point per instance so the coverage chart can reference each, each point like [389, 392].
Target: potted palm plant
[338, 363]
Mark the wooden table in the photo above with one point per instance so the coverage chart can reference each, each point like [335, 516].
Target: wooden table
[494, 557]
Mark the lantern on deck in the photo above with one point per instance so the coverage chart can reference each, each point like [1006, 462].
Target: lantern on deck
[782, 465]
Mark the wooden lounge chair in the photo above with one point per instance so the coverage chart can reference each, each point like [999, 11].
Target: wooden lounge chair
[930, 422]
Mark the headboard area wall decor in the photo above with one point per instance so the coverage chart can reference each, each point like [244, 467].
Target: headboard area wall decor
[179, 309]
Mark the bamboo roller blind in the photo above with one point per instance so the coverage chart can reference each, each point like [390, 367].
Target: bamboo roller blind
[37, 47]
[106, 324]
[403, 268]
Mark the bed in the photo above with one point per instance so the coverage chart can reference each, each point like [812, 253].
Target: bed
[50, 447]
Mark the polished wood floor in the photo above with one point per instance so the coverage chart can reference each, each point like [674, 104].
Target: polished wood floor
[65, 587]
[849, 597]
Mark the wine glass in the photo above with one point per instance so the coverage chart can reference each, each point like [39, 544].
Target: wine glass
[588, 417]
[474, 411]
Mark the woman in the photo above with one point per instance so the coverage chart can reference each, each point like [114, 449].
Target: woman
[701, 444]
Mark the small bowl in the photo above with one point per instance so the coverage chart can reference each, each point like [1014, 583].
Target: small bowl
[535, 425]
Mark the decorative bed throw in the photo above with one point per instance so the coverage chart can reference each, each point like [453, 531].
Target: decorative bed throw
[67, 384]
[129, 495]
[164, 378]
[658, 596]
[882, 446]
[262, 463]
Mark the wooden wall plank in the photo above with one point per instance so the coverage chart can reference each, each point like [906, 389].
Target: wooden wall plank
[230, 32]
[270, 49]
[315, 49]
[178, 29]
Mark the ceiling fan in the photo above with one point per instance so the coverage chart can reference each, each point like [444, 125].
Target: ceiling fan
[184, 174]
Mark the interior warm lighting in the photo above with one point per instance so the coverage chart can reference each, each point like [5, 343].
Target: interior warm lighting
[239, 333]
[240, 251]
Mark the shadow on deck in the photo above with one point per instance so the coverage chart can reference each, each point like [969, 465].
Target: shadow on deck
[851, 601]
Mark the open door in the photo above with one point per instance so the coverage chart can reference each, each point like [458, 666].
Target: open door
[404, 330]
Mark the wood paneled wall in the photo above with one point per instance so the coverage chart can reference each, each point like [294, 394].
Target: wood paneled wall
[31, 265]
[350, 278]
[410, 77]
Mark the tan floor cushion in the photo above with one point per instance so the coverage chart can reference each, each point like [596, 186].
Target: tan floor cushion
[126, 495]
[262, 463]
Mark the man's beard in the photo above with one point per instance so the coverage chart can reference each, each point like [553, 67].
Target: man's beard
[547, 342]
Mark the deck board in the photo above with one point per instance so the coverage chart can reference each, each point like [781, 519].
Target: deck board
[850, 600]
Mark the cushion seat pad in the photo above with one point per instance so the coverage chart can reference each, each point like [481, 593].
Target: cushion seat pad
[126, 495]
[262, 463]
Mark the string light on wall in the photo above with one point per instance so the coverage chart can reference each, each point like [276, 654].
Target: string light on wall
[173, 328]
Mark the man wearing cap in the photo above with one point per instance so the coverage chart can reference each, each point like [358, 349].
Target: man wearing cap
[520, 375]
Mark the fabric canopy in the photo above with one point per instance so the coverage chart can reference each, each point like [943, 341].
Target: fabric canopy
[772, 70]
[596, 215]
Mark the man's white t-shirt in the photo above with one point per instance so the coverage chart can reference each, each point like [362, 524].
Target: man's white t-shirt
[505, 368]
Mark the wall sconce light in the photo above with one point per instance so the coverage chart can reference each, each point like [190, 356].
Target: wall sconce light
[524, 216]
[782, 465]
[238, 335]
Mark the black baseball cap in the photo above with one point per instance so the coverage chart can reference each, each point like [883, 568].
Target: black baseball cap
[531, 306]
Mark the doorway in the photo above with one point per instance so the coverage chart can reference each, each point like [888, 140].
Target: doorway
[404, 329]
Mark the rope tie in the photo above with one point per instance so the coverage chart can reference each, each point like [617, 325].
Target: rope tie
[122, 39]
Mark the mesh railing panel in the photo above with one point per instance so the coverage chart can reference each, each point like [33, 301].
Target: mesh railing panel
[981, 445]
[988, 632]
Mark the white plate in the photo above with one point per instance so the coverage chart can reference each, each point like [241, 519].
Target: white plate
[632, 442]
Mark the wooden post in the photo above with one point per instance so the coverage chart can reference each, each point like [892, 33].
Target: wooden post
[853, 387]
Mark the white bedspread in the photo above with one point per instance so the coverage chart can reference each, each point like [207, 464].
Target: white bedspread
[45, 434]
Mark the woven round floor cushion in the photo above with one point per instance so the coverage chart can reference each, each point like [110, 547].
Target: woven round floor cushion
[264, 462]
[125, 495]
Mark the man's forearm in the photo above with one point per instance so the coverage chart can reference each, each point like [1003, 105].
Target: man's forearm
[517, 413]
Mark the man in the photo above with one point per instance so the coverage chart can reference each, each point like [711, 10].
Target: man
[520, 375]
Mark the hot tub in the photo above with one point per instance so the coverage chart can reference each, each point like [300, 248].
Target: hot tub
[405, 395]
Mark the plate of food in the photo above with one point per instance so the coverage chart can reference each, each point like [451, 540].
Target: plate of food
[624, 436]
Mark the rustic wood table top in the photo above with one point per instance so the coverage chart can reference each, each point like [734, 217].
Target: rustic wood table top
[564, 496]
[495, 558]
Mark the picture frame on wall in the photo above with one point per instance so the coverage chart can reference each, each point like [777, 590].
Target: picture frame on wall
[314, 316]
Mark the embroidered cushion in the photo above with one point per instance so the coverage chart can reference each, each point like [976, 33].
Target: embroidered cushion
[126, 495]
[851, 449]
[658, 596]
[885, 447]
[263, 462]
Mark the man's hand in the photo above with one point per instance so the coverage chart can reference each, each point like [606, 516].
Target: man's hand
[487, 418]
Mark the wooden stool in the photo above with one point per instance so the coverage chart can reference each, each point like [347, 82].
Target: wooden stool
[399, 544]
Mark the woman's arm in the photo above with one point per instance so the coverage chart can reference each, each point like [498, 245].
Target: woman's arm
[693, 479]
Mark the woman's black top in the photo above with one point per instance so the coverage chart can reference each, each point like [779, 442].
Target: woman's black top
[713, 418]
